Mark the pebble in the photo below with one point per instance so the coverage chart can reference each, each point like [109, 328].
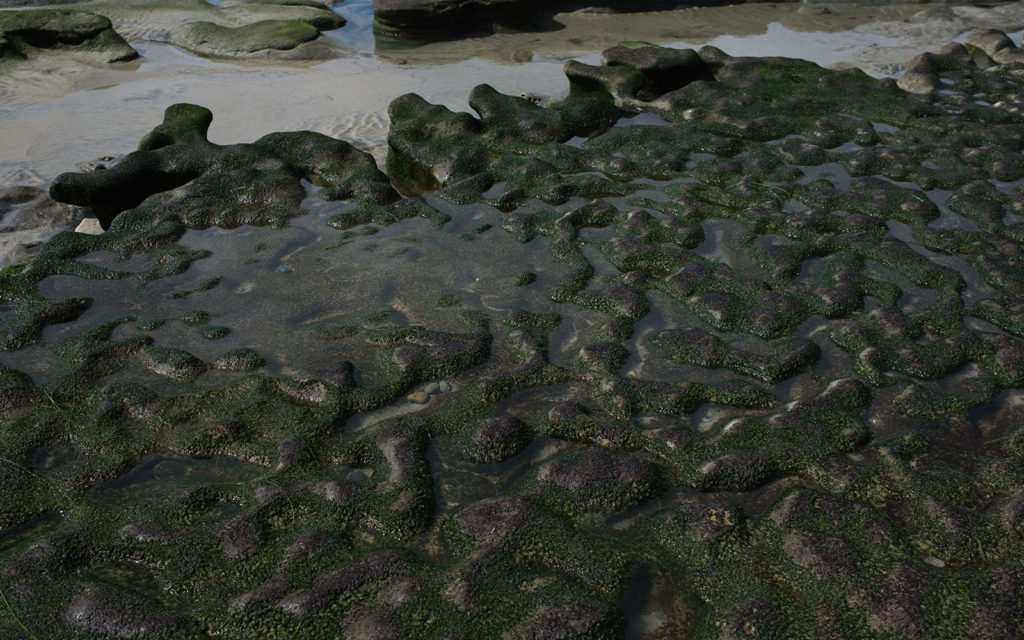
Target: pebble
[418, 397]
[90, 226]
[430, 389]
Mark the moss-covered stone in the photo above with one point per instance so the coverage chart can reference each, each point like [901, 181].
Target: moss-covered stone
[26, 33]
[287, 30]
[596, 481]
[229, 185]
[214, 39]
[498, 439]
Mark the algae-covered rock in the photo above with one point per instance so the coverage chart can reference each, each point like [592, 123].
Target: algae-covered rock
[498, 439]
[596, 481]
[402, 17]
[746, 322]
[94, 612]
[280, 35]
[638, 71]
[228, 185]
[570, 620]
[233, 30]
[26, 33]
[430, 147]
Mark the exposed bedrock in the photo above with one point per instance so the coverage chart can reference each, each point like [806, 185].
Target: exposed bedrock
[281, 35]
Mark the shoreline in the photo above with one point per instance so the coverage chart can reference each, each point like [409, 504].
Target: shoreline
[79, 111]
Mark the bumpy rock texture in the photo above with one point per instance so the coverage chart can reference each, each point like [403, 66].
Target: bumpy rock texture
[714, 348]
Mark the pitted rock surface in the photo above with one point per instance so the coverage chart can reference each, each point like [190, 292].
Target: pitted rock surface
[714, 348]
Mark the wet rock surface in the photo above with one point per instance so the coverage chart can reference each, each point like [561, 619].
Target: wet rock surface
[770, 340]
[28, 33]
[28, 218]
[246, 29]
[223, 185]
[417, 18]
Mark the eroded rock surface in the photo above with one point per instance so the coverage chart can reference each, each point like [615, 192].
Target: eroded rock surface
[745, 322]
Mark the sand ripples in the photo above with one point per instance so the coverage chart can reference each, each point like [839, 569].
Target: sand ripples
[366, 130]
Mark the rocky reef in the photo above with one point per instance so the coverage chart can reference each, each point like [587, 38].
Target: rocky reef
[715, 347]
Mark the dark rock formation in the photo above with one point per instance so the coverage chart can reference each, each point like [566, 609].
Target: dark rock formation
[227, 186]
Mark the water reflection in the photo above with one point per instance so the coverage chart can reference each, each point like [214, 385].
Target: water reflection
[794, 29]
[166, 474]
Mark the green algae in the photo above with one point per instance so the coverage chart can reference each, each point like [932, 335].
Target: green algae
[741, 342]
